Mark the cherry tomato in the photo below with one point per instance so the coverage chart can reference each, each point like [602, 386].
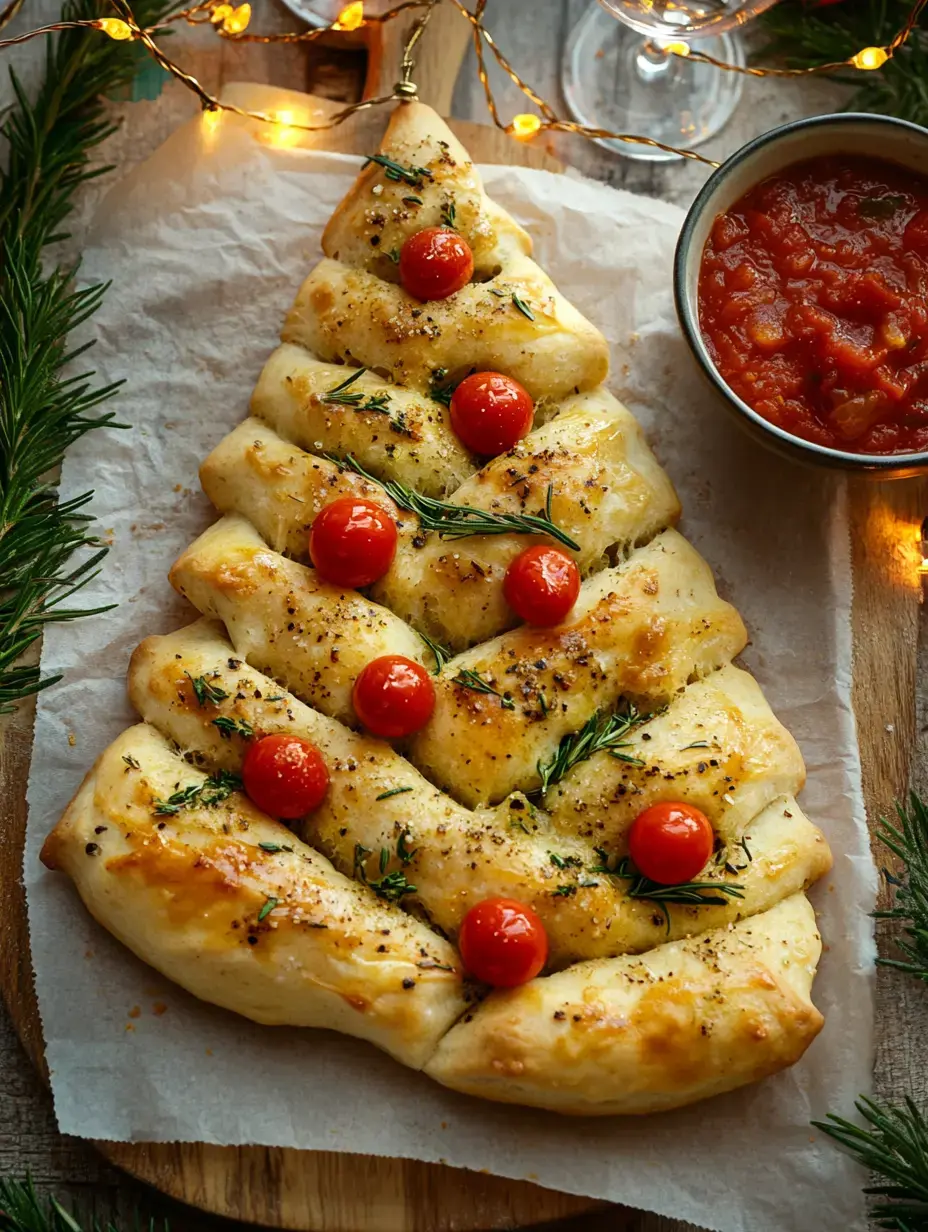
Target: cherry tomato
[285, 776]
[503, 942]
[670, 843]
[435, 263]
[352, 542]
[393, 696]
[490, 412]
[541, 585]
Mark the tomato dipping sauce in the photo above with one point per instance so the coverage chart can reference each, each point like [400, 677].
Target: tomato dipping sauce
[813, 303]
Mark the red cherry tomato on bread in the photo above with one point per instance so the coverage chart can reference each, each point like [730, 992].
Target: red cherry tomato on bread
[503, 942]
[393, 696]
[285, 776]
[491, 412]
[671, 843]
[352, 542]
[435, 263]
[541, 585]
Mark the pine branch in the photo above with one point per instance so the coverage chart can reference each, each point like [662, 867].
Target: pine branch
[893, 1144]
[42, 411]
[22, 1210]
[909, 842]
[802, 36]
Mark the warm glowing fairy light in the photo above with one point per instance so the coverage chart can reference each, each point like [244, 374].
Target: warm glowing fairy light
[237, 21]
[678, 49]
[870, 58]
[351, 17]
[115, 28]
[220, 13]
[525, 126]
[211, 119]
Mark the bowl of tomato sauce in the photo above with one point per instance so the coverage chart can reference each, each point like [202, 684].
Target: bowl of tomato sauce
[801, 286]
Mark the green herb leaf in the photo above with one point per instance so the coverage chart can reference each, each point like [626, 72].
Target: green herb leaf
[689, 893]
[458, 521]
[523, 307]
[342, 394]
[909, 841]
[205, 692]
[600, 733]
[213, 790]
[448, 213]
[268, 907]
[397, 172]
[564, 861]
[130, 761]
[879, 207]
[439, 653]
[274, 847]
[394, 791]
[233, 727]
[413, 200]
[469, 679]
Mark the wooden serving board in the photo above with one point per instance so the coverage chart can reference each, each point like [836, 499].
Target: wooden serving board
[328, 1192]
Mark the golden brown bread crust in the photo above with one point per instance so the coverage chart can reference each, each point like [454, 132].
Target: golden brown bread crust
[277, 935]
[686, 1021]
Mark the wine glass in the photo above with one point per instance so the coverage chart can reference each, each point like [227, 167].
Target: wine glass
[613, 78]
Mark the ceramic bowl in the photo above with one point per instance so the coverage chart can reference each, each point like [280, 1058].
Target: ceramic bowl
[848, 133]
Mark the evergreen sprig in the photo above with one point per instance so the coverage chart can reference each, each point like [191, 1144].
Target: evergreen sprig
[909, 842]
[22, 1210]
[803, 35]
[42, 411]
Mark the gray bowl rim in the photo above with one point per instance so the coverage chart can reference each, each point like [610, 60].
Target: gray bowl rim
[823, 454]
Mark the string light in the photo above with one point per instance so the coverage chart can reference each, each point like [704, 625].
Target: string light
[232, 21]
[525, 126]
[870, 58]
[351, 17]
[237, 21]
[115, 28]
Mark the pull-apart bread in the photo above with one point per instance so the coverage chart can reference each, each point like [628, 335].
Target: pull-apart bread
[545, 744]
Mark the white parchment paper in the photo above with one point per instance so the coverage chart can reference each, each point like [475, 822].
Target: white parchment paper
[206, 244]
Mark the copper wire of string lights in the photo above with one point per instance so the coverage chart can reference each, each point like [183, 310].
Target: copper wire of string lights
[231, 21]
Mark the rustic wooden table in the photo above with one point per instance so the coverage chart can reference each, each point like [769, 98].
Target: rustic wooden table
[533, 34]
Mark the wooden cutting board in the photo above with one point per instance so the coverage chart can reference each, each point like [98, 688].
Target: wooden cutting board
[327, 1192]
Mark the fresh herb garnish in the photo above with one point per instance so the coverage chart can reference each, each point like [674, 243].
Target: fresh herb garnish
[500, 294]
[697, 744]
[213, 790]
[439, 653]
[564, 861]
[394, 791]
[600, 733]
[205, 692]
[390, 886]
[458, 521]
[691, 893]
[233, 727]
[273, 847]
[344, 395]
[523, 307]
[879, 207]
[448, 213]
[404, 853]
[130, 761]
[469, 679]
[413, 200]
[564, 891]
[268, 907]
[393, 254]
[413, 176]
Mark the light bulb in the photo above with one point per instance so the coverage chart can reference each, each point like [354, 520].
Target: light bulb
[870, 57]
[115, 28]
[220, 13]
[677, 49]
[351, 17]
[237, 21]
[525, 126]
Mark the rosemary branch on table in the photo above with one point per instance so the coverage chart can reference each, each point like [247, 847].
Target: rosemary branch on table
[47, 552]
[458, 521]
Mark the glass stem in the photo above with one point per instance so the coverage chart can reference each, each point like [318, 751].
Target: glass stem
[652, 63]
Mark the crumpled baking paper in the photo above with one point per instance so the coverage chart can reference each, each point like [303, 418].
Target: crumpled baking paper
[206, 244]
